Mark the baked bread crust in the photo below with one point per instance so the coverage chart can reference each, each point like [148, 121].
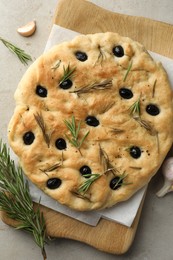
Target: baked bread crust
[122, 100]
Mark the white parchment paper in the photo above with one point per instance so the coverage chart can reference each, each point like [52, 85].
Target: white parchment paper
[124, 212]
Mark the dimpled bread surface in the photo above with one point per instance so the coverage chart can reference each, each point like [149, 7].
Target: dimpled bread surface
[93, 120]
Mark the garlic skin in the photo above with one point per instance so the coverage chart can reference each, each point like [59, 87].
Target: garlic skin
[28, 29]
[167, 171]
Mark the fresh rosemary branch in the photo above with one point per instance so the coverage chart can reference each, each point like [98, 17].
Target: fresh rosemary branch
[22, 56]
[74, 130]
[68, 73]
[15, 199]
[86, 185]
[127, 72]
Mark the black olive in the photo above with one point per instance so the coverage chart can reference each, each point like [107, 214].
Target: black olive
[153, 110]
[92, 121]
[116, 183]
[28, 138]
[118, 51]
[82, 56]
[60, 144]
[41, 91]
[53, 183]
[66, 84]
[125, 93]
[85, 170]
[135, 152]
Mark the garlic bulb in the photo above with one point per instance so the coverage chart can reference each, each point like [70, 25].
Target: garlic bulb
[28, 29]
[167, 171]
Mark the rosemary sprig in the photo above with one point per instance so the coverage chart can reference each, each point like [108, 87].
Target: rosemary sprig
[74, 130]
[81, 196]
[135, 109]
[104, 159]
[105, 84]
[51, 168]
[15, 199]
[86, 185]
[101, 56]
[68, 73]
[22, 56]
[146, 125]
[127, 72]
[40, 122]
[120, 181]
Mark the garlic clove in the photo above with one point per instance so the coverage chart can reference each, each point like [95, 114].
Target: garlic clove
[28, 29]
[167, 187]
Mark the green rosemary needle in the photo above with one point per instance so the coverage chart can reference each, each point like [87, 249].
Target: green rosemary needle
[15, 199]
[154, 86]
[68, 73]
[74, 130]
[120, 181]
[135, 109]
[127, 72]
[40, 122]
[22, 56]
[86, 185]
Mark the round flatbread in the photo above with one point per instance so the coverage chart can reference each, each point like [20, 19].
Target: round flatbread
[93, 120]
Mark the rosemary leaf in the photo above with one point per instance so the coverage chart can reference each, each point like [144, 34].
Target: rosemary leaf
[154, 87]
[15, 199]
[83, 138]
[120, 181]
[51, 168]
[104, 159]
[101, 56]
[22, 56]
[107, 108]
[127, 72]
[68, 73]
[116, 130]
[80, 196]
[105, 84]
[86, 185]
[135, 109]
[40, 122]
[71, 125]
[135, 167]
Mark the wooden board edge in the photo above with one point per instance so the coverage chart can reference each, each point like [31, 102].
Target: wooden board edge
[96, 19]
[62, 226]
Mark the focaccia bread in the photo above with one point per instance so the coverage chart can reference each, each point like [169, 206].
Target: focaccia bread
[93, 120]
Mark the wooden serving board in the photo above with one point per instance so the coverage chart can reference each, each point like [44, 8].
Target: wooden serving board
[85, 17]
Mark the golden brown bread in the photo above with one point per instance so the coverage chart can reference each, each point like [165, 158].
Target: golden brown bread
[118, 102]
